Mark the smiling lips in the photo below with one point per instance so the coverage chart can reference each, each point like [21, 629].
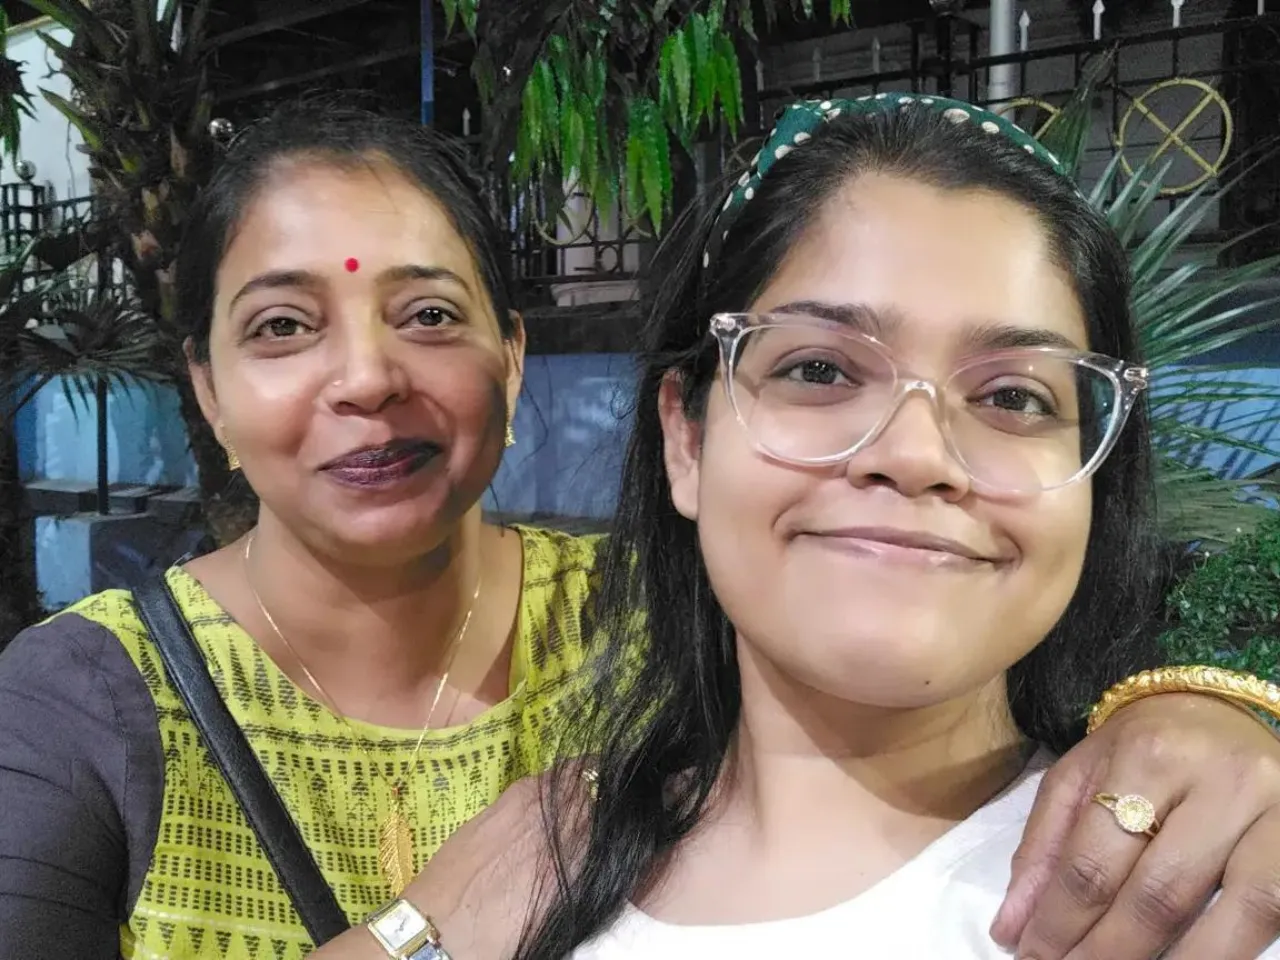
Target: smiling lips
[904, 547]
[382, 466]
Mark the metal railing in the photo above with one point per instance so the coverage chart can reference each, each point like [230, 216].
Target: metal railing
[946, 61]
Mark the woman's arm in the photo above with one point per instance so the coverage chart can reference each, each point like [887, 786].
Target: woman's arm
[78, 745]
[479, 887]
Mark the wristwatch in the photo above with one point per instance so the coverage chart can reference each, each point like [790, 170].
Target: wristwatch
[405, 932]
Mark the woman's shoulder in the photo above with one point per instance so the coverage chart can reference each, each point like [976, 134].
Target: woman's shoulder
[555, 608]
[80, 747]
[82, 657]
[113, 614]
[553, 554]
[79, 637]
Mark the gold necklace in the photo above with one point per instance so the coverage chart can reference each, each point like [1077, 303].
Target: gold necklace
[395, 838]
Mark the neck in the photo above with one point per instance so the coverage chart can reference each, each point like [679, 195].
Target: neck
[367, 633]
[815, 772]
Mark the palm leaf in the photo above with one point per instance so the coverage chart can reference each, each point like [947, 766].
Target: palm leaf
[1185, 306]
[1067, 135]
[1195, 505]
[84, 340]
[76, 17]
[86, 127]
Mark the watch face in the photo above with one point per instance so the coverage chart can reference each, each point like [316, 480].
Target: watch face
[400, 925]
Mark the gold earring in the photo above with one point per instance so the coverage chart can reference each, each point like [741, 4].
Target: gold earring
[233, 459]
[510, 439]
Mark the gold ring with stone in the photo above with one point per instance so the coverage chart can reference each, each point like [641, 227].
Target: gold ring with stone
[1134, 813]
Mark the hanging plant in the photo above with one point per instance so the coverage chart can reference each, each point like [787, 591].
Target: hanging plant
[593, 96]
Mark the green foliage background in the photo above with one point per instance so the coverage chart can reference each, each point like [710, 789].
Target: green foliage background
[1227, 611]
[598, 95]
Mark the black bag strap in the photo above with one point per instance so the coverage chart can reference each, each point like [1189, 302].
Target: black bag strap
[262, 806]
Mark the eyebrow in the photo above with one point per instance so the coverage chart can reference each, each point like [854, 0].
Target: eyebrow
[276, 280]
[1003, 336]
[884, 324]
[307, 279]
[874, 323]
[415, 271]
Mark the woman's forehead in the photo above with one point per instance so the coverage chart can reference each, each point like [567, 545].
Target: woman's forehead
[315, 216]
[929, 261]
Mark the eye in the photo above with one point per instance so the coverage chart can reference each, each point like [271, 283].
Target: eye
[280, 327]
[820, 372]
[432, 316]
[1020, 400]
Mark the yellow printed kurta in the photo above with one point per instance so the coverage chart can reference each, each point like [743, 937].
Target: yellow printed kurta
[210, 891]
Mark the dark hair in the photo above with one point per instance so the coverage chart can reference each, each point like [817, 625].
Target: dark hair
[331, 131]
[660, 724]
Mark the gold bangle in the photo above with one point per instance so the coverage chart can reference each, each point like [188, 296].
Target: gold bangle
[1238, 689]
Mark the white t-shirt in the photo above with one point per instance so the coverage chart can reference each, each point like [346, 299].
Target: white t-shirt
[938, 906]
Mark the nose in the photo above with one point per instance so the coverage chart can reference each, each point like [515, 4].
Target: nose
[367, 374]
[909, 451]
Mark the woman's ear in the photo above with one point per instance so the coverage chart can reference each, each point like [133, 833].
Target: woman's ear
[201, 374]
[515, 343]
[682, 444]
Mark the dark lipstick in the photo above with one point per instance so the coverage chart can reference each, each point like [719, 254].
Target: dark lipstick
[383, 465]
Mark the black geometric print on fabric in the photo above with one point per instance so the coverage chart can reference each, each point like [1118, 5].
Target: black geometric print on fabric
[209, 891]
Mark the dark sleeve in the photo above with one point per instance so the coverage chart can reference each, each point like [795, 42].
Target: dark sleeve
[81, 785]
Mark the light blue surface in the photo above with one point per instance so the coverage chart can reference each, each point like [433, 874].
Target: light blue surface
[63, 563]
[146, 441]
[571, 427]
[1256, 422]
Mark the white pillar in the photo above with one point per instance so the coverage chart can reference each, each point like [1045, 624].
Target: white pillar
[1002, 81]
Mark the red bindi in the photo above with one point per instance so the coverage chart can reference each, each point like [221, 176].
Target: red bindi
[352, 264]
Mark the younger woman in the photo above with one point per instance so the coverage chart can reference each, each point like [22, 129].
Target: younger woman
[890, 495]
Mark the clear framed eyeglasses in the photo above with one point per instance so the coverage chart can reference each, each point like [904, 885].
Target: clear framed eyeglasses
[1021, 420]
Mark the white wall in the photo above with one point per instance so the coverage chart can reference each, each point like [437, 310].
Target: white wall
[48, 140]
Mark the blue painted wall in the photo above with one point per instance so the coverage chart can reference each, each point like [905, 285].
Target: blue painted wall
[146, 442]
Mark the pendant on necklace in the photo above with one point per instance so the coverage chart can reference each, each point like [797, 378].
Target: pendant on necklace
[395, 845]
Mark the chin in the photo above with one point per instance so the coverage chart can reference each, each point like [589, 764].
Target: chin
[386, 536]
[894, 658]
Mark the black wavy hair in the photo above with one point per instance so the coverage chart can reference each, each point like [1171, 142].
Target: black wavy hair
[334, 131]
[660, 718]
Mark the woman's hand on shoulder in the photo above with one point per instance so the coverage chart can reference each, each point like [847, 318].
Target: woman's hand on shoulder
[481, 886]
[484, 886]
[1084, 889]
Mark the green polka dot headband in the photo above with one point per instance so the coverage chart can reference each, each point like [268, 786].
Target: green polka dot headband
[800, 120]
